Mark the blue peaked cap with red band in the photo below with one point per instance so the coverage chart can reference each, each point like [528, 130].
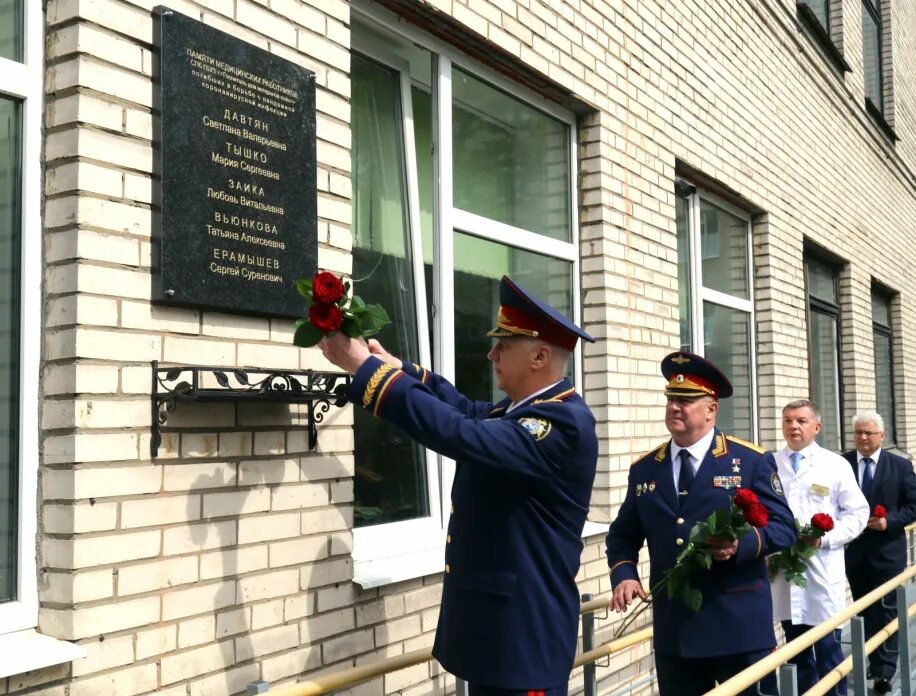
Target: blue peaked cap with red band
[522, 314]
[690, 375]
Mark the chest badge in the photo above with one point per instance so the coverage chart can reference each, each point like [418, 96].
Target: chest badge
[736, 466]
[726, 482]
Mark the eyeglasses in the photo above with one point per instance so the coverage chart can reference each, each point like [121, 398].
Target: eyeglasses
[867, 433]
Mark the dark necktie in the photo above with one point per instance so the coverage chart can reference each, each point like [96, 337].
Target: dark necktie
[685, 477]
[866, 476]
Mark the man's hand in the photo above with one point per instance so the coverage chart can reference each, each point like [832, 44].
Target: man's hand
[378, 351]
[877, 524]
[345, 352]
[721, 549]
[626, 592]
[811, 541]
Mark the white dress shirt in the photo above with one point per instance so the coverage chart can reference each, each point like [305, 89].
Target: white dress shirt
[824, 483]
[697, 451]
[873, 466]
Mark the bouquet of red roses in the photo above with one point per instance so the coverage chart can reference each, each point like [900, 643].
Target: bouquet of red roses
[724, 525]
[331, 309]
[793, 561]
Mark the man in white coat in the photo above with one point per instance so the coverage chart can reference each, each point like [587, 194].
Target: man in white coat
[816, 480]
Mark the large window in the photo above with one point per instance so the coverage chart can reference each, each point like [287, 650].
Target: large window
[716, 297]
[20, 87]
[824, 349]
[871, 53]
[459, 177]
[884, 362]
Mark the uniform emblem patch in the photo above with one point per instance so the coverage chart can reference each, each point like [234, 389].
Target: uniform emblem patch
[538, 428]
[776, 484]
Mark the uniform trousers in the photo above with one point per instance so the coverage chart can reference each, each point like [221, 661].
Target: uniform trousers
[863, 578]
[481, 690]
[693, 676]
[816, 661]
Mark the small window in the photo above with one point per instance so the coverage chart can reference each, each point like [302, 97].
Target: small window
[871, 53]
[715, 297]
[824, 349]
[884, 362]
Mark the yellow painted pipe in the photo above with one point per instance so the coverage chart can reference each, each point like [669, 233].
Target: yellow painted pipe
[771, 662]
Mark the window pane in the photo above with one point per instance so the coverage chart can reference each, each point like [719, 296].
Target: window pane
[11, 29]
[10, 224]
[683, 272]
[723, 242]
[727, 336]
[825, 377]
[821, 280]
[884, 378]
[871, 57]
[821, 10]
[479, 264]
[390, 482]
[511, 162]
[881, 309]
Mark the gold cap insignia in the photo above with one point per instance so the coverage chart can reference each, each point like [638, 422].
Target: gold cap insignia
[680, 360]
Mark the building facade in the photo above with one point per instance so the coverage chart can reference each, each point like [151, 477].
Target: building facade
[735, 179]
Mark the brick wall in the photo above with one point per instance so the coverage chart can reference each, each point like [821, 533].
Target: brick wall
[228, 558]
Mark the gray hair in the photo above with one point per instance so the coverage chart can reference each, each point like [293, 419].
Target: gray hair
[803, 403]
[869, 417]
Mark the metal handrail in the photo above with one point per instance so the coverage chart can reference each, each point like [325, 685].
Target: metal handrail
[771, 662]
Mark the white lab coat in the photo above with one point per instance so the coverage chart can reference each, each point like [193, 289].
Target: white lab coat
[824, 483]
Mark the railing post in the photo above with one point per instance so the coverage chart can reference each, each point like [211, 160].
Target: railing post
[903, 640]
[788, 680]
[257, 687]
[859, 682]
[461, 687]
[589, 671]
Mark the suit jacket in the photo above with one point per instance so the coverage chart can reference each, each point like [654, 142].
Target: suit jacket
[510, 605]
[894, 487]
[737, 611]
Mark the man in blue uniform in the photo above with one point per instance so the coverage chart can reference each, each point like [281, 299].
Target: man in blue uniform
[670, 489]
[525, 467]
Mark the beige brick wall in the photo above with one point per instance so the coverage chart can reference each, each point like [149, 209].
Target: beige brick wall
[228, 558]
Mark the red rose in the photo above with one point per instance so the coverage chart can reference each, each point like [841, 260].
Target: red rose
[327, 287]
[880, 511]
[325, 316]
[756, 515]
[822, 521]
[745, 497]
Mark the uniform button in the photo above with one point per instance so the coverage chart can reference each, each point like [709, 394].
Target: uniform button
[449, 538]
[679, 542]
[453, 509]
[680, 520]
[448, 568]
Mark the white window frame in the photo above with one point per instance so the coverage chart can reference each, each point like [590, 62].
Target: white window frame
[24, 82]
[700, 294]
[387, 553]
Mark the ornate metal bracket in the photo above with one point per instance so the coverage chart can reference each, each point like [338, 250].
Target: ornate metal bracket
[204, 384]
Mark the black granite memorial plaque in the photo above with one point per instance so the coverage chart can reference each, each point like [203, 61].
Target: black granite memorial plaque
[238, 172]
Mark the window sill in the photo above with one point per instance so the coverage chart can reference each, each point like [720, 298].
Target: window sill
[25, 651]
[817, 32]
[378, 572]
[878, 118]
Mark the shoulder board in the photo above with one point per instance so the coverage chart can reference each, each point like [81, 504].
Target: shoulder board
[745, 443]
[659, 452]
[559, 398]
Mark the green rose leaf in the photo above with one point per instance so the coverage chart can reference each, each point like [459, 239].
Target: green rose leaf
[351, 327]
[307, 335]
[304, 288]
[693, 598]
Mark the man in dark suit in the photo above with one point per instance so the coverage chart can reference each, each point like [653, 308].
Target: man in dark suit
[672, 488]
[525, 467]
[880, 552]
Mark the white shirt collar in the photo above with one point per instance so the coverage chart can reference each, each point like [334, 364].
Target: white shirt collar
[698, 449]
[520, 402]
[874, 456]
[806, 452]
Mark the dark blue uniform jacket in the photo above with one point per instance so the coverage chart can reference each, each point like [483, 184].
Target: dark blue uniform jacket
[737, 611]
[894, 487]
[510, 604]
